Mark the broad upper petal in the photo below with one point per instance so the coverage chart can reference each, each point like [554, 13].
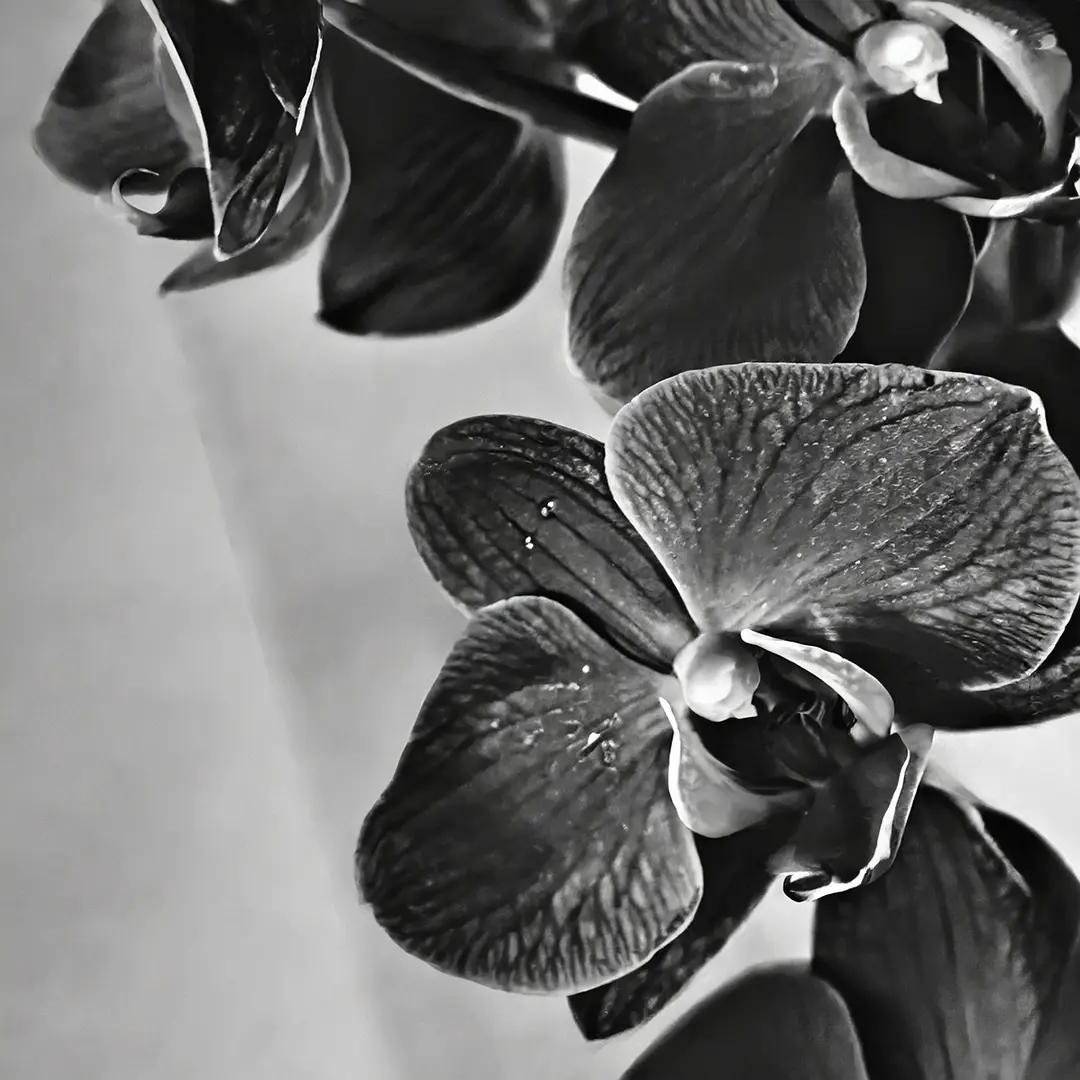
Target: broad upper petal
[526, 840]
[948, 961]
[452, 211]
[724, 230]
[736, 877]
[503, 506]
[779, 1024]
[926, 515]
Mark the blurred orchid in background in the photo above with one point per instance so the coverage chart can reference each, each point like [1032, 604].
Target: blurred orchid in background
[265, 129]
[809, 178]
[702, 656]
[887, 998]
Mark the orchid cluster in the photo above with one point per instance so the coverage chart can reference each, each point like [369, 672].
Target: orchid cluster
[822, 287]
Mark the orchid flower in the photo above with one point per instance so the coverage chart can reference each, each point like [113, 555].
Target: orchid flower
[812, 178]
[678, 679]
[963, 962]
[265, 130]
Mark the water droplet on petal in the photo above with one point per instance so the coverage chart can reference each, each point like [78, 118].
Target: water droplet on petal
[529, 543]
[547, 509]
[593, 736]
[728, 79]
[585, 669]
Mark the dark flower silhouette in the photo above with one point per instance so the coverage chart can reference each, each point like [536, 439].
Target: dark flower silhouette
[811, 178]
[702, 656]
[264, 130]
[963, 962]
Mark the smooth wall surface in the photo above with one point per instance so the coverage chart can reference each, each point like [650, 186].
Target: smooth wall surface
[214, 636]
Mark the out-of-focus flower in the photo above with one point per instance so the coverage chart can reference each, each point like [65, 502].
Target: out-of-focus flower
[962, 962]
[808, 179]
[264, 129]
[655, 709]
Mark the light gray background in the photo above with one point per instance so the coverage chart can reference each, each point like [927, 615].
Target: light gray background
[214, 636]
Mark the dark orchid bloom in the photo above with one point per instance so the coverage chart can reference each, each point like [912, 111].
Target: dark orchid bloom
[809, 177]
[964, 962]
[678, 679]
[264, 129]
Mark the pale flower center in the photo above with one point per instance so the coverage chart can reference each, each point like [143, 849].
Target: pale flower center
[901, 56]
[718, 676]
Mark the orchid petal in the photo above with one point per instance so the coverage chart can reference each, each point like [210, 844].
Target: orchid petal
[186, 213]
[526, 840]
[107, 114]
[707, 795]
[248, 70]
[635, 45]
[1057, 1046]
[506, 506]
[851, 834]
[883, 170]
[452, 211]
[919, 263]
[506, 26]
[949, 961]
[752, 253]
[1046, 361]
[773, 1024]
[867, 698]
[1005, 206]
[1025, 48]
[298, 224]
[736, 878]
[926, 515]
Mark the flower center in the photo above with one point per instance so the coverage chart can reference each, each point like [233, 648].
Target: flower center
[901, 56]
[718, 676]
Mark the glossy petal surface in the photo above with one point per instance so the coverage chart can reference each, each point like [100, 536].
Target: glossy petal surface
[927, 515]
[919, 263]
[723, 231]
[945, 961]
[504, 506]
[736, 878]
[107, 113]
[248, 68]
[777, 1024]
[452, 210]
[526, 840]
[634, 45]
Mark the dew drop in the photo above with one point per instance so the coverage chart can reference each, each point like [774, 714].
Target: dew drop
[585, 669]
[547, 509]
[529, 543]
[726, 79]
[593, 736]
